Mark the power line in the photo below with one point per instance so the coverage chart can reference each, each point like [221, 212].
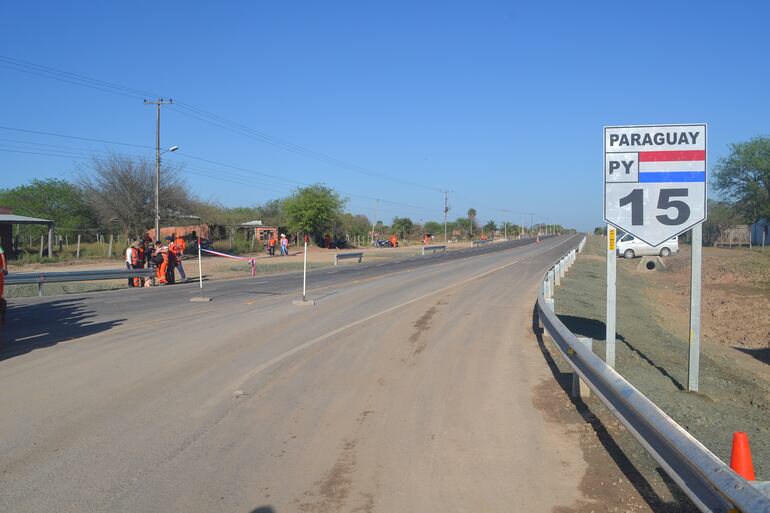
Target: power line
[199, 114]
[78, 154]
[89, 139]
[206, 117]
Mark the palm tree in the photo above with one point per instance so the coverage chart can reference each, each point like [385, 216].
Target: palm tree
[471, 217]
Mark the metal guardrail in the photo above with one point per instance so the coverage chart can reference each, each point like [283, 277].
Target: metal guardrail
[434, 248]
[62, 277]
[708, 482]
[480, 242]
[342, 256]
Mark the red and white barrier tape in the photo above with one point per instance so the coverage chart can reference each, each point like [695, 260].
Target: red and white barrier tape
[250, 260]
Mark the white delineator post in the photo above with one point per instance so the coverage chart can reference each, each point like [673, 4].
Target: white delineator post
[200, 267]
[609, 357]
[304, 275]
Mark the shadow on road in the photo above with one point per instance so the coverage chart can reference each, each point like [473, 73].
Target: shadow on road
[591, 328]
[263, 509]
[34, 326]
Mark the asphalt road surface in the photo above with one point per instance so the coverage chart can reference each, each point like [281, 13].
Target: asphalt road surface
[408, 387]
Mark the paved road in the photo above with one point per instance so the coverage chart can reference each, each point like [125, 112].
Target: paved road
[408, 387]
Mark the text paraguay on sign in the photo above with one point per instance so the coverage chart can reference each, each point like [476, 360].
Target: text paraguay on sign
[655, 179]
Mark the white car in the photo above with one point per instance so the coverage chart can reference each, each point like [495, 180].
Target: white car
[629, 246]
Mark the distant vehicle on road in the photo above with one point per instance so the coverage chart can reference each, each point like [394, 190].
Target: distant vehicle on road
[629, 246]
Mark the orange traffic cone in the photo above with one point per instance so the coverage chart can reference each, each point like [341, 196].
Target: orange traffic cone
[740, 458]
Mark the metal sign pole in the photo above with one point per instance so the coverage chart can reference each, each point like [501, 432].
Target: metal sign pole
[693, 361]
[611, 300]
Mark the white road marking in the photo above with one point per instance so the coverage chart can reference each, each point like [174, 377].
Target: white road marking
[123, 300]
[32, 336]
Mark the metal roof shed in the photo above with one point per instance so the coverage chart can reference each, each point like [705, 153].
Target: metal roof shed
[8, 220]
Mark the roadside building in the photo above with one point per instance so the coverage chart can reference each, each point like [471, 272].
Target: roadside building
[200, 230]
[8, 219]
[261, 233]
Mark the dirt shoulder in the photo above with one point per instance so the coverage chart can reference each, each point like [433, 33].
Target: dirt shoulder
[652, 331]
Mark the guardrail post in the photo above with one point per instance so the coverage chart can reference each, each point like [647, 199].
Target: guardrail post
[580, 388]
[551, 278]
[40, 289]
[335, 259]
[551, 304]
[557, 275]
[360, 257]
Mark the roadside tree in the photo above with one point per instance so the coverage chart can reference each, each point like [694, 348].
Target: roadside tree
[121, 191]
[743, 177]
[433, 227]
[313, 210]
[58, 200]
[402, 226]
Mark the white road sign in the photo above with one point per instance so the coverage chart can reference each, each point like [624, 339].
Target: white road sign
[655, 179]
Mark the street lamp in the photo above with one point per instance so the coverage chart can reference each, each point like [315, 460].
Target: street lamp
[158, 153]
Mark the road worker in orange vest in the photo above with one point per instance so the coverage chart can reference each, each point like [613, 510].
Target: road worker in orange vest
[181, 244]
[393, 240]
[161, 260]
[136, 257]
[177, 250]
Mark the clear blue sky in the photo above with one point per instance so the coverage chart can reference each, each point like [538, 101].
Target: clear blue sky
[502, 103]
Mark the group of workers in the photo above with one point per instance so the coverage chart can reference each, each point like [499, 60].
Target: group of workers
[284, 245]
[166, 259]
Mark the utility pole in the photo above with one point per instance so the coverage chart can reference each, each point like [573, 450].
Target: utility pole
[157, 103]
[376, 213]
[446, 210]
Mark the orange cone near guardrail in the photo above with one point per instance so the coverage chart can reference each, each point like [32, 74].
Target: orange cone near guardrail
[740, 457]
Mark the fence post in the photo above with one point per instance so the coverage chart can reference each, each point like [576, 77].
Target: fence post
[109, 250]
[41, 245]
[77, 255]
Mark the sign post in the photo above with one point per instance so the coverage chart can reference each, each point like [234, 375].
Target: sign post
[200, 277]
[654, 190]
[693, 360]
[609, 349]
[304, 301]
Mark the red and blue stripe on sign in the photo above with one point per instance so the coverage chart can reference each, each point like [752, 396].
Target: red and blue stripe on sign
[672, 166]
